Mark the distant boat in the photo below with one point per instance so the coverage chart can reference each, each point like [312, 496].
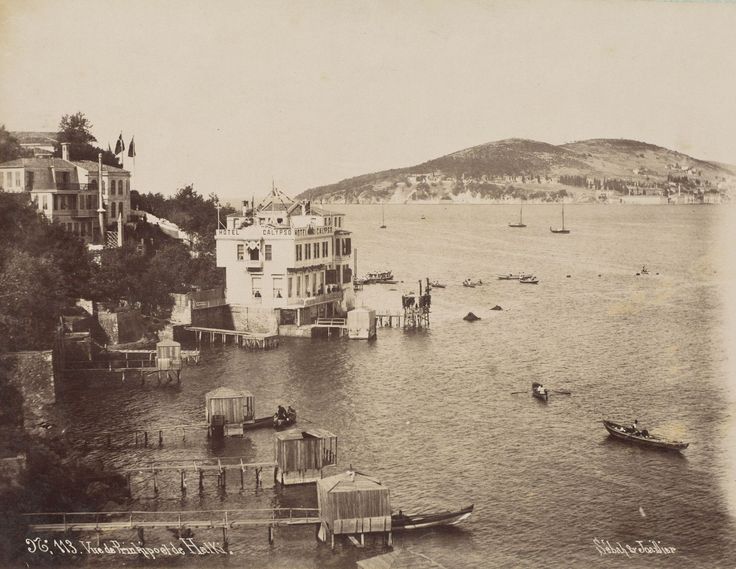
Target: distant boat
[383, 218]
[562, 230]
[512, 277]
[437, 284]
[472, 284]
[521, 222]
[529, 279]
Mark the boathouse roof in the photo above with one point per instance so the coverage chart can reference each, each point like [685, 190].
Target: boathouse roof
[297, 434]
[227, 393]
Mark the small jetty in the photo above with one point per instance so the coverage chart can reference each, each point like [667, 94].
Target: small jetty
[165, 363]
[246, 340]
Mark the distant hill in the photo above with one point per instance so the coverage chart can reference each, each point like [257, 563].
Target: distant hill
[519, 169]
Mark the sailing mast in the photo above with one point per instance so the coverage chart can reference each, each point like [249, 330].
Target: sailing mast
[383, 218]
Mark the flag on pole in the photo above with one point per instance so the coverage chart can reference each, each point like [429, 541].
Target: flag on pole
[119, 145]
[131, 148]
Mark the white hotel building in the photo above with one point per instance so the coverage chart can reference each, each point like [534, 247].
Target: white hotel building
[287, 263]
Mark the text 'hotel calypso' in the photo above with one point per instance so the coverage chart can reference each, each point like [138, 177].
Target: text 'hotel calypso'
[287, 262]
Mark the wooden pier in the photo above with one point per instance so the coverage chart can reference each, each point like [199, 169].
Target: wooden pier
[201, 468]
[225, 520]
[389, 319]
[145, 438]
[247, 340]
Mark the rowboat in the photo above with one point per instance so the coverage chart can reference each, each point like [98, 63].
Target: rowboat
[437, 284]
[511, 277]
[540, 392]
[472, 284]
[529, 279]
[642, 437]
[271, 422]
[402, 521]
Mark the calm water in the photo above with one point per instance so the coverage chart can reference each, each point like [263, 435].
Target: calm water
[432, 414]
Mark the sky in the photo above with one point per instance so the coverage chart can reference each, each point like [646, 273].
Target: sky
[231, 96]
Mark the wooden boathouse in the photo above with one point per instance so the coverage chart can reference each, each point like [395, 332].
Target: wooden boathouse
[227, 410]
[353, 504]
[302, 455]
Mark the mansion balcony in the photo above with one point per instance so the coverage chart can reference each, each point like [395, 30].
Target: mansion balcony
[299, 301]
[252, 264]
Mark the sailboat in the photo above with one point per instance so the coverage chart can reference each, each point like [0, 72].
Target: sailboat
[521, 222]
[383, 218]
[562, 230]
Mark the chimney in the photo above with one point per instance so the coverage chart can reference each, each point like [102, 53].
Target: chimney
[65, 150]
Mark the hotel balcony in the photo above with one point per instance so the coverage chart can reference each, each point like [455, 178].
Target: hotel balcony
[304, 302]
[253, 265]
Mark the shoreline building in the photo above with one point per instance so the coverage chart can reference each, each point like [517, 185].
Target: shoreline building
[287, 263]
[66, 191]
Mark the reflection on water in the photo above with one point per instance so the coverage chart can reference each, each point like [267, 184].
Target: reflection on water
[431, 413]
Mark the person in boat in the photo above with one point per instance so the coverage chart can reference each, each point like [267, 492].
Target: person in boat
[281, 412]
[540, 389]
[635, 427]
[291, 413]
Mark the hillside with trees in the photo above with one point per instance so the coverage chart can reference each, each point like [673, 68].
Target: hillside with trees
[528, 170]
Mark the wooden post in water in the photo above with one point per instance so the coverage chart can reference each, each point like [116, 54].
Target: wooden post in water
[160, 439]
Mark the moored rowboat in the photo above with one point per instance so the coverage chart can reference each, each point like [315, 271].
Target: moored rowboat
[271, 422]
[403, 521]
[642, 437]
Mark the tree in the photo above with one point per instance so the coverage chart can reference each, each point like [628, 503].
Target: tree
[10, 148]
[76, 129]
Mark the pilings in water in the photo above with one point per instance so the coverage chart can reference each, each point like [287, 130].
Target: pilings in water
[243, 339]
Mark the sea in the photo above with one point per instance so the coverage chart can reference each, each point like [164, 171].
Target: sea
[444, 415]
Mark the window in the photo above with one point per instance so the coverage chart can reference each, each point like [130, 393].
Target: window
[316, 250]
[278, 286]
[112, 210]
[337, 247]
[76, 228]
[290, 283]
[241, 251]
[112, 187]
[17, 178]
[29, 180]
[268, 252]
[103, 186]
[307, 251]
[127, 186]
[44, 202]
[298, 285]
[256, 287]
[348, 246]
[298, 253]
[325, 248]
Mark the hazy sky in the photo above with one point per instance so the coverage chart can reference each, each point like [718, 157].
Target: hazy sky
[229, 95]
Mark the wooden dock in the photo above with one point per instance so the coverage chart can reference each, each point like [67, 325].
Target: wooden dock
[200, 468]
[247, 340]
[389, 319]
[225, 520]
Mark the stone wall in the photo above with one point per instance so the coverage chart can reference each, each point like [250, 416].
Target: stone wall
[32, 373]
[254, 319]
[215, 317]
[121, 327]
[12, 470]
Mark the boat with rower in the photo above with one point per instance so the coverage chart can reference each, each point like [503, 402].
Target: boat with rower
[642, 437]
[402, 521]
[274, 421]
[511, 276]
[472, 284]
[529, 279]
[540, 392]
[437, 284]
